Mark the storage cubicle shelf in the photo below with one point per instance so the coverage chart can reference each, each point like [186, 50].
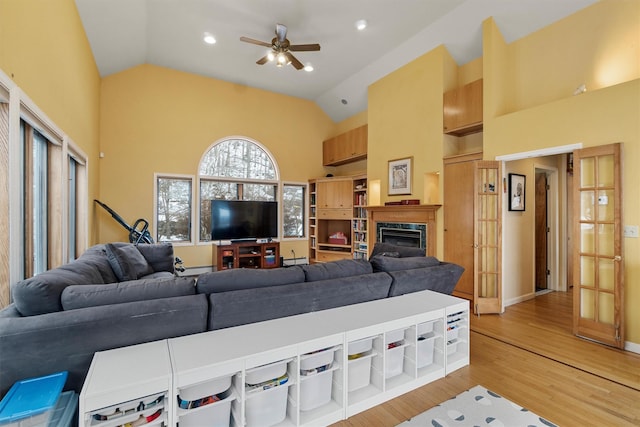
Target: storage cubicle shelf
[202, 361]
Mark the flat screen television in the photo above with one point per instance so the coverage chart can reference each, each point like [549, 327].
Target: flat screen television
[243, 220]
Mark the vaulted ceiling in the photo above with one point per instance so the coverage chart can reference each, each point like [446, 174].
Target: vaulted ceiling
[169, 33]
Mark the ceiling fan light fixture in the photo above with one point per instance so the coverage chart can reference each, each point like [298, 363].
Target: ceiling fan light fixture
[271, 56]
[282, 58]
[361, 24]
[209, 39]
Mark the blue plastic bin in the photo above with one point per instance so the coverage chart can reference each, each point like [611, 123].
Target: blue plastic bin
[31, 402]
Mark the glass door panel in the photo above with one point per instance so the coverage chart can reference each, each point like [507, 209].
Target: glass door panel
[487, 238]
[598, 264]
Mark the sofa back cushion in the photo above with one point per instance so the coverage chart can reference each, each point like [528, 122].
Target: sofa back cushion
[441, 278]
[127, 262]
[81, 296]
[247, 278]
[336, 269]
[236, 308]
[41, 294]
[386, 263]
[395, 250]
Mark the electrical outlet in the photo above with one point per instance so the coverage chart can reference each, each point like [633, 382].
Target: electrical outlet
[630, 231]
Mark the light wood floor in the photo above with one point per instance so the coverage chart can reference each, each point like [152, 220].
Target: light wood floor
[529, 356]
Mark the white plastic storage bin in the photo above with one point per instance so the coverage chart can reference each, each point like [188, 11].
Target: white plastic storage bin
[315, 390]
[395, 336]
[266, 372]
[266, 407]
[452, 333]
[360, 346]
[425, 350]
[394, 361]
[207, 388]
[425, 328]
[359, 372]
[216, 414]
[316, 359]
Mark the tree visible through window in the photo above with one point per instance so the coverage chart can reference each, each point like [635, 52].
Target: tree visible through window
[235, 169]
[293, 210]
[173, 222]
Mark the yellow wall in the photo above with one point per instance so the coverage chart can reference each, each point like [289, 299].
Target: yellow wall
[44, 49]
[154, 119]
[534, 107]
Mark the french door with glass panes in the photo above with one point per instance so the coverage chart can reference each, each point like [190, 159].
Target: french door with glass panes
[487, 242]
[598, 303]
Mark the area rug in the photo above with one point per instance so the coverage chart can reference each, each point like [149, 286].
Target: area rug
[477, 407]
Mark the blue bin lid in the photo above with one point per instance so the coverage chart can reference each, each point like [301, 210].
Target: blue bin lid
[31, 397]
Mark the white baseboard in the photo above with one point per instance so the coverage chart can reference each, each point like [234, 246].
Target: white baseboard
[632, 347]
[288, 262]
[516, 300]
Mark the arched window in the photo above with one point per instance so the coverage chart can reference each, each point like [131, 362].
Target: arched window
[235, 168]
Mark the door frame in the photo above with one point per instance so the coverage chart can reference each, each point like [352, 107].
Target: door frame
[553, 219]
[561, 149]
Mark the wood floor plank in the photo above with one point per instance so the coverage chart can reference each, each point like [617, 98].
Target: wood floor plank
[526, 355]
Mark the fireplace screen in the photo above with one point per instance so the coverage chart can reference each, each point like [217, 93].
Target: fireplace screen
[402, 234]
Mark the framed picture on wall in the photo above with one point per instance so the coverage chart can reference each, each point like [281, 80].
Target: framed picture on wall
[517, 192]
[400, 176]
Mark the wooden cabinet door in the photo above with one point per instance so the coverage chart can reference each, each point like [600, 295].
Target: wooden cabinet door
[329, 151]
[357, 142]
[335, 194]
[462, 109]
[459, 219]
[346, 147]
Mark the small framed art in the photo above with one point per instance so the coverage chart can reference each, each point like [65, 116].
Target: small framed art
[400, 176]
[517, 192]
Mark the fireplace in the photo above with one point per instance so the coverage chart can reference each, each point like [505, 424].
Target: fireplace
[402, 234]
[421, 218]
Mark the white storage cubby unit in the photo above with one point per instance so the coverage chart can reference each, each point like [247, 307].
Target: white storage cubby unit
[457, 336]
[307, 370]
[125, 384]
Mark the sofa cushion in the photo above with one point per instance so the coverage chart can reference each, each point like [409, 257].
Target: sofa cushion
[41, 294]
[336, 269]
[247, 278]
[127, 262]
[402, 251]
[81, 296]
[385, 263]
[159, 256]
[440, 278]
[235, 308]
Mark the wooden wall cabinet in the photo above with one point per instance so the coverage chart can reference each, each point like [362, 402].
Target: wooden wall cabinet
[345, 148]
[462, 109]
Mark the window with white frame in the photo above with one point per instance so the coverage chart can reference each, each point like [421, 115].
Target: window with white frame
[293, 209]
[235, 169]
[173, 209]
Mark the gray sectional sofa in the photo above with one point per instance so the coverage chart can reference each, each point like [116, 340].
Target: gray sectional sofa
[119, 294]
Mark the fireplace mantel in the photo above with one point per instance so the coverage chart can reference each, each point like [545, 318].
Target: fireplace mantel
[420, 214]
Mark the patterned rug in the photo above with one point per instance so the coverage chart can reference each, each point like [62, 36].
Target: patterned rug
[477, 407]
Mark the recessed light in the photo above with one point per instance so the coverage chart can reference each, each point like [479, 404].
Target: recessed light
[308, 68]
[344, 101]
[209, 39]
[361, 24]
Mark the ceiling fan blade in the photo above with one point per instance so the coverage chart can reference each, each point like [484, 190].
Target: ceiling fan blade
[294, 61]
[304, 47]
[263, 60]
[281, 32]
[254, 41]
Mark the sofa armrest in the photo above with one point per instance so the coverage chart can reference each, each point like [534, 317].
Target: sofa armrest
[66, 341]
[440, 278]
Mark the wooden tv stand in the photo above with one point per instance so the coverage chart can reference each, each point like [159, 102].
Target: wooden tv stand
[246, 255]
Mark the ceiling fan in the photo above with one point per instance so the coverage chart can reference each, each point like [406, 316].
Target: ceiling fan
[281, 49]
